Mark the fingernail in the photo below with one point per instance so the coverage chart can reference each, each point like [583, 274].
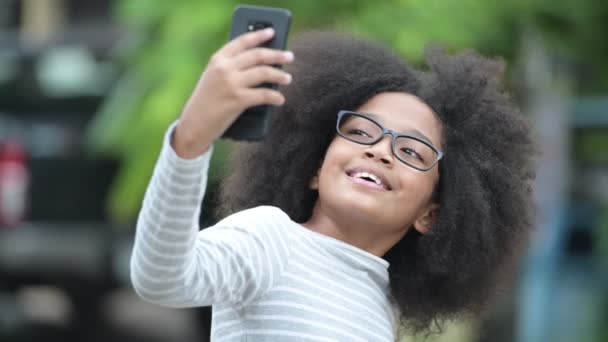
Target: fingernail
[269, 30]
[288, 55]
[289, 78]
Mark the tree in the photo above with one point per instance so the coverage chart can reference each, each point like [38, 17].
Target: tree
[172, 41]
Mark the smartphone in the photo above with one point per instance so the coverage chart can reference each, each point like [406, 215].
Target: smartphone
[254, 123]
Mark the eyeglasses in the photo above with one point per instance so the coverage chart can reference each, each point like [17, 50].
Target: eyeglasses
[412, 151]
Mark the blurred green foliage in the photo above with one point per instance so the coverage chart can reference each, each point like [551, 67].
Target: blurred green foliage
[172, 41]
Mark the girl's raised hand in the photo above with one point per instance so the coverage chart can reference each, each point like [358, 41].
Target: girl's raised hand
[227, 87]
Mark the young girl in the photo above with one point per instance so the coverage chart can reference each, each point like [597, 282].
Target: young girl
[383, 197]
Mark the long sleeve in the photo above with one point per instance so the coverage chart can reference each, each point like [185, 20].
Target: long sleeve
[174, 264]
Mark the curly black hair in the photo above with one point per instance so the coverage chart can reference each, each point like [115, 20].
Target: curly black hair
[484, 192]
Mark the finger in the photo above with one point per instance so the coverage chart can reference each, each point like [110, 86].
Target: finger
[264, 74]
[257, 56]
[246, 41]
[263, 96]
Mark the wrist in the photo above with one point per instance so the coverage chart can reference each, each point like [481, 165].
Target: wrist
[188, 144]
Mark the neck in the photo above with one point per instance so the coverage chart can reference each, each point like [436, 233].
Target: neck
[371, 238]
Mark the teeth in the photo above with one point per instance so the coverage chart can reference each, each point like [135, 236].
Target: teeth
[368, 175]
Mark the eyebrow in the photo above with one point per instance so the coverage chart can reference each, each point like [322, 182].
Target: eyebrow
[412, 130]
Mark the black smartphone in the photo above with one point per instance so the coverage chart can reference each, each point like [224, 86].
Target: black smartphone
[254, 123]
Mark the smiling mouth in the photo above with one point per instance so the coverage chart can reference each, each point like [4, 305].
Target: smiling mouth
[369, 180]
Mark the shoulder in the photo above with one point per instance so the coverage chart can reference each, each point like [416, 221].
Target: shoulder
[266, 219]
[257, 214]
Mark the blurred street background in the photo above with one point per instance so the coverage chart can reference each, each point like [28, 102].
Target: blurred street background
[88, 87]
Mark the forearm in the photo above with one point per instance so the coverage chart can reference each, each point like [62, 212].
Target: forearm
[168, 225]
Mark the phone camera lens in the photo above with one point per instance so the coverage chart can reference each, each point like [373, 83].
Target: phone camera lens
[256, 25]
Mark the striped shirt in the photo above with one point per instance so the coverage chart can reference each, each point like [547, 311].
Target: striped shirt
[267, 277]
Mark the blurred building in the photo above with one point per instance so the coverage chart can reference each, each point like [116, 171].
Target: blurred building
[62, 263]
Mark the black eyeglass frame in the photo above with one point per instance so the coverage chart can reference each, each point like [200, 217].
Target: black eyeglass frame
[394, 136]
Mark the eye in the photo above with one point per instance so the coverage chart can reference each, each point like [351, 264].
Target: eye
[359, 132]
[412, 153]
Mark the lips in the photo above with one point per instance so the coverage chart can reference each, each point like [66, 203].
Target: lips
[369, 176]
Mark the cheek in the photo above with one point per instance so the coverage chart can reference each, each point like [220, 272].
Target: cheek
[416, 187]
[335, 158]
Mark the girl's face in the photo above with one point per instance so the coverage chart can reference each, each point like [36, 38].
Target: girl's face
[404, 195]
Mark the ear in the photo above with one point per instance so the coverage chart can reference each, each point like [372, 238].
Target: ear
[314, 182]
[428, 218]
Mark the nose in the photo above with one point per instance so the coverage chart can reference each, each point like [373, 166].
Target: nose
[381, 151]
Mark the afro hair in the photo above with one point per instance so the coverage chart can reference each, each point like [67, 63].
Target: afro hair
[485, 215]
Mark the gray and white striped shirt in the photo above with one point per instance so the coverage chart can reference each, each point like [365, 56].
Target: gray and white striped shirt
[267, 277]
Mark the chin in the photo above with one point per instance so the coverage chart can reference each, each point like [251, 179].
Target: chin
[362, 209]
